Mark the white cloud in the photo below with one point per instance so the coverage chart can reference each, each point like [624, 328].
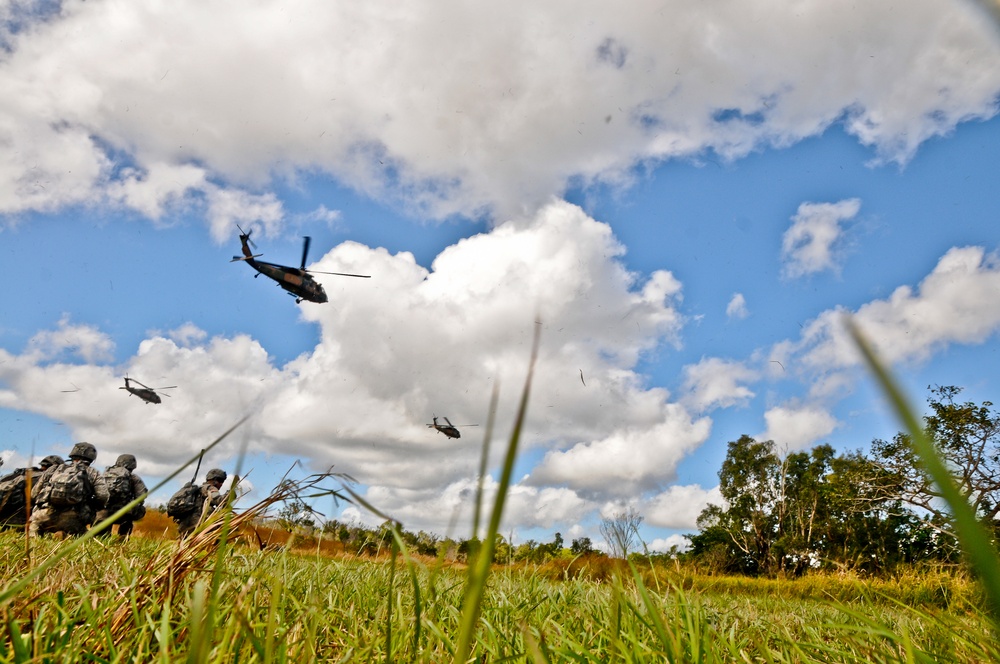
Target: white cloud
[187, 334]
[102, 107]
[737, 307]
[794, 428]
[812, 243]
[85, 341]
[432, 342]
[956, 303]
[228, 208]
[664, 544]
[716, 383]
[627, 461]
[679, 506]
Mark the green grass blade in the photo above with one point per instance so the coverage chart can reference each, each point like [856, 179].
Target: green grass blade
[484, 459]
[479, 573]
[976, 541]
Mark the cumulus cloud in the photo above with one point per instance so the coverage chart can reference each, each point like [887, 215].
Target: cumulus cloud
[737, 307]
[665, 544]
[716, 383]
[797, 427]
[101, 106]
[429, 342]
[84, 341]
[679, 506]
[813, 241]
[628, 461]
[955, 303]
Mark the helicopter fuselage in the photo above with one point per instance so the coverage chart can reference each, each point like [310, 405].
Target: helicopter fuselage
[149, 396]
[449, 429]
[297, 282]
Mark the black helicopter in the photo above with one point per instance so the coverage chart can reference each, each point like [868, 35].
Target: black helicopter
[147, 394]
[296, 280]
[450, 430]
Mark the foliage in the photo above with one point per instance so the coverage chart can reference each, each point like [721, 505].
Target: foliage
[296, 515]
[967, 437]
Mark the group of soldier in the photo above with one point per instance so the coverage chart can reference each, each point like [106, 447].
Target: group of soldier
[68, 497]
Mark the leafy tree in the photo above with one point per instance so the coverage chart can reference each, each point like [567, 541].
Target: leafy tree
[808, 510]
[621, 532]
[749, 481]
[968, 438]
[296, 514]
[581, 545]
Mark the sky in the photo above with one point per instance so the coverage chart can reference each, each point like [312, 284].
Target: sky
[687, 200]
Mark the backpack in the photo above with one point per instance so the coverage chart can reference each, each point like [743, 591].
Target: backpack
[119, 481]
[69, 486]
[185, 502]
[12, 494]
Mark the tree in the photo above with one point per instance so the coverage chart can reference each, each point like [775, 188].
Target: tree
[296, 514]
[803, 511]
[967, 437]
[581, 545]
[621, 532]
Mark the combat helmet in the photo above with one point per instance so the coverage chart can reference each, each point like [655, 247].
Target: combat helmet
[51, 460]
[216, 474]
[126, 461]
[83, 451]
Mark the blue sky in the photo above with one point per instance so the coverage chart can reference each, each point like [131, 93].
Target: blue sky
[688, 199]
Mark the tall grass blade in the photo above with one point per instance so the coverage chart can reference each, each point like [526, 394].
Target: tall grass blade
[479, 572]
[484, 459]
[975, 539]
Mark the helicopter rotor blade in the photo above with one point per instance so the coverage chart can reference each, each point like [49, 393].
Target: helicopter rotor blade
[247, 234]
[340, 274]
[305, 251]
[245, 258]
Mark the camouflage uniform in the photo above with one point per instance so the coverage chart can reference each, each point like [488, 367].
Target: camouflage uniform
[138, 487]
[212, 499]
[13, 511]
[70, 520]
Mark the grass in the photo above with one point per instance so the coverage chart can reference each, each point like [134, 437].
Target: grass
[112, 602]
[233, 592]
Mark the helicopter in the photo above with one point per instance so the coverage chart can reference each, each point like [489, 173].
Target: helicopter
[450, 430]
[147, 394]
[298, 281]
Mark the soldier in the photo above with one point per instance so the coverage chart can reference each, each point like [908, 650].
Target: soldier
[192, 503]
[124, 486]
[13, 501]
[68, 496]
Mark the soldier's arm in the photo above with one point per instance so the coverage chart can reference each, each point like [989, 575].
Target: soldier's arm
[37, 482]
[138, 486]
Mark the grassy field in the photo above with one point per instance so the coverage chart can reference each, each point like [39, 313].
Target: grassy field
[151, 599]
[230, 593]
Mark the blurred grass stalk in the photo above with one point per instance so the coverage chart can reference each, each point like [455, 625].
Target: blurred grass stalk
[975, 539]
[479, 571]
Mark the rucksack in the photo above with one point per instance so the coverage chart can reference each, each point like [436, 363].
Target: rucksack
[69, 486]
[119, 481]
[12, 493]
[185, 502]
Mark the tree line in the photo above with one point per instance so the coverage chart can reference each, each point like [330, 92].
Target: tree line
[867, 511]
